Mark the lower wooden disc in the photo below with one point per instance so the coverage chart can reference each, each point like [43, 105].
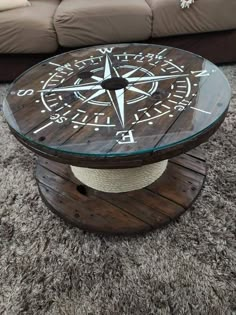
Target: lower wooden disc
[123, 213]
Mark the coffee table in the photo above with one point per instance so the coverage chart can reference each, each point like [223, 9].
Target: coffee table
[105, 120]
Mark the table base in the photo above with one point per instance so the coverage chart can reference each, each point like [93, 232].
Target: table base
[123, 213]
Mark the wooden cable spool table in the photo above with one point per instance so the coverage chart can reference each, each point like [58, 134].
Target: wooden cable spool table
[116, 129]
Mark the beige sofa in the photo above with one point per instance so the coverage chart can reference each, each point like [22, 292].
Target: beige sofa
[47, 27]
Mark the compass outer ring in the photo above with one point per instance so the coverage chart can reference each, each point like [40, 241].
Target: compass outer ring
[119, 160]
[124, 161]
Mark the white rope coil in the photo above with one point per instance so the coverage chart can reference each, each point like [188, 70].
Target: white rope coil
[120, 180]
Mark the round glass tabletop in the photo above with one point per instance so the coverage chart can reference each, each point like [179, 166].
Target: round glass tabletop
[116, 100]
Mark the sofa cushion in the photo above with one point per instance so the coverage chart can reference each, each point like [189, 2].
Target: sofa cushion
[29, 29]
[204, 16]
[88, 22]
[8, 5]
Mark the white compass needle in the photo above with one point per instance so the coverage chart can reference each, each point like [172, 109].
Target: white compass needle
[98, 79]
[134, 89]
[128, 74]
[96, 94]
[73, 88]
[120, 97]
[154, 78]
[107, 70]
[118, 104]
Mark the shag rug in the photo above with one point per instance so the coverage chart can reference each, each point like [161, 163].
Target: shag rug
[189, 267]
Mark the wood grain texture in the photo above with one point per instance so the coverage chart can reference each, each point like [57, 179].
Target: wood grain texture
[88, 127]
[122, 213]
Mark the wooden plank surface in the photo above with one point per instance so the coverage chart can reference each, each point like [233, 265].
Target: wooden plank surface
[126, 105]
[122, 213]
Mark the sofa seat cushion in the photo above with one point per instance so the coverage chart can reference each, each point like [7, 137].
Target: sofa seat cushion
[8, 5]
[29, 29]
[204, 16]
[88, 22]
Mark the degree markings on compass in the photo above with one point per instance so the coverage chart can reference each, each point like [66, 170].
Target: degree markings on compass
[147, 114]
[161, 52]
[97, 116]
[156, 63]
[177, 91]
[182, 86]
[85, 124]
[79, 67]
[76, 115]
[54, 64]
[67, 113]
[59, 109]
[173, 101]
[157, 110]
[142, 109]
[189, 87]
[163, 105]
[185, 104]
[158, 54]
[175, 66]
[140, 60]
[178, 96]
[136, 117]
[138, 55]
[43, 127]
[200, 110]
[144, 120]
[85, 118]
[55, 104]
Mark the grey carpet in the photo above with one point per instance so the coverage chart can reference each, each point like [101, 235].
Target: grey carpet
[50, 268]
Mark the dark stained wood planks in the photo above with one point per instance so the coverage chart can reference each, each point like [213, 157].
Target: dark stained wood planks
[122, 213]
[68, 108]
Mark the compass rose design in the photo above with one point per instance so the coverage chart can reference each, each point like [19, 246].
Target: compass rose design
[113, 94]
[114, 85]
